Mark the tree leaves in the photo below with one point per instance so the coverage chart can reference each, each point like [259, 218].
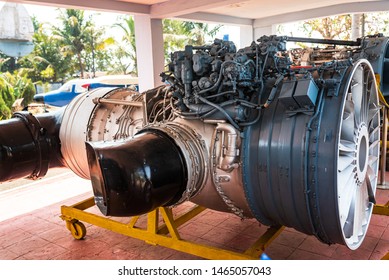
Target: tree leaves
[334, 27]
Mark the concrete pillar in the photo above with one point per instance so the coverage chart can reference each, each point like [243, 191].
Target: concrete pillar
[356, 26]
[264, 30]
[149, 51]
[246, 35]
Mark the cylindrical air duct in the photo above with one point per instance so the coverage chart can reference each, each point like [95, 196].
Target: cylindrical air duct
[29, 145]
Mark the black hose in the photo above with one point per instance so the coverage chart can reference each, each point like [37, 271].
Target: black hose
[273, 92]
[232, 122]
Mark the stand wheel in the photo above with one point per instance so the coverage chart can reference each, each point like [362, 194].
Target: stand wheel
[78, 230]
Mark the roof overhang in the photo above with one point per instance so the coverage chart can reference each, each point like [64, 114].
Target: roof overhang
[237, 12]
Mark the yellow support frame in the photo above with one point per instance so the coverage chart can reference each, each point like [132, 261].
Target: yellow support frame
[382, 210]
[163, 233]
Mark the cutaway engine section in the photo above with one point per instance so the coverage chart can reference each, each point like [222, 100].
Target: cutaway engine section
[288, 137]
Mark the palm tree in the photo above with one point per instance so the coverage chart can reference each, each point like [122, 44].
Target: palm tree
[127, 25]
[177, 34]
[96, 55]
[72, 34]
[199, 32]
[121, 64]
[45, 62]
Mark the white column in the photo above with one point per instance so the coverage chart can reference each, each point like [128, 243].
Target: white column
[264, 30]
[246, 35]
[149, 51]
[356, 26]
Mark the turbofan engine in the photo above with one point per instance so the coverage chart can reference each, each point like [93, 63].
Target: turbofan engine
[255, 132]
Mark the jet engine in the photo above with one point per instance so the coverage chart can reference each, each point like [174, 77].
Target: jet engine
[288, 137]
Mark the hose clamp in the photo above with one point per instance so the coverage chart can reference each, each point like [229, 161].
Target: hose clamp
[41, 142]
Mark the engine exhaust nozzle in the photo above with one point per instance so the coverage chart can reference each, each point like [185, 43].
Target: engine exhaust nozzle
[135, 176]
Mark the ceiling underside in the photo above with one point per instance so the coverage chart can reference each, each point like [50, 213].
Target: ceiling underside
[250, 12]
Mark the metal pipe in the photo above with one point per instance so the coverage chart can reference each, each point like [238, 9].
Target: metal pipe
[324, 41]
[228, 153]
[117, 102]
[384, 145]
[29, 145]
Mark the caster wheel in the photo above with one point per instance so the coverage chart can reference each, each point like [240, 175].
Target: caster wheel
[78, 230]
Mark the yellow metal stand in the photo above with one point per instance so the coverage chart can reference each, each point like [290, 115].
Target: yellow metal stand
[382, 210]
[163, 232]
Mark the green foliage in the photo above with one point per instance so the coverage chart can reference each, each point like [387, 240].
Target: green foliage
[177, 34]
[125, 54]
[12, 87]
[334, 27]
[6, 97]
[46, 63]
[122, 62]
[7, 63]
[23, 87]
[338, 27]
[64, 51]
[377, 23]
[3, 61]
[96, 55]
[73, 34]
[199, 32]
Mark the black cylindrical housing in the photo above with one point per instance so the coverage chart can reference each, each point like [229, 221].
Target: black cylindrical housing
[29, 145]
[136, 176]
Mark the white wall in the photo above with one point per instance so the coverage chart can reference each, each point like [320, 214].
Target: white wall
[265, 30]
